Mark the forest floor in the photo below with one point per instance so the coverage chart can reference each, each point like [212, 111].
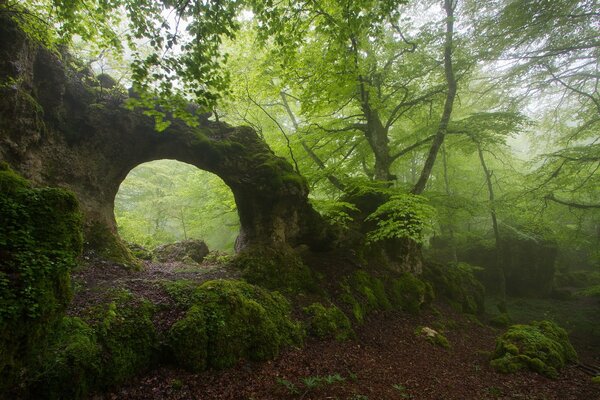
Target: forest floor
[385, 361]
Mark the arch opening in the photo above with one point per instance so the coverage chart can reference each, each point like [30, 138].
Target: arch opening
[166, 201]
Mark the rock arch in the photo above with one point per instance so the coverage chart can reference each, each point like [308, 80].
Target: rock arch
[58, 130]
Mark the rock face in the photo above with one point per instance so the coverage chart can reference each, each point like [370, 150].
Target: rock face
[57, 130]
[184, 251]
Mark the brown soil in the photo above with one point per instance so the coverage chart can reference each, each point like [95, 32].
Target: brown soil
[385, 361]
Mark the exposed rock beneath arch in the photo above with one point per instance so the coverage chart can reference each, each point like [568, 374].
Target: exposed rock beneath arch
[57, 130]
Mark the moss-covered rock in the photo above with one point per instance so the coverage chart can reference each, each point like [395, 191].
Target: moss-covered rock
[109, 246]
[230, 320]
[139, 251]
[364, 293]
[328, 322]
[40, 238]
[72, 366]
[410, 294]
[117, 341]
[127, 336]
[190, 251]
[542, 347]
[457, 284]
[432, 336]
[276, 269]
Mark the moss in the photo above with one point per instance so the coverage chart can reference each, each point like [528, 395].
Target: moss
[109, 246]
[276, 269]
[230, 320]
[72, 366]
[328, 322]
[40, 238]
[127, 336]
[364, 293]
[542, 347]
[433, 337]
[139, 252]
[457, 284]
[117, 342]
[596, 380]
[501, 320]
[182, 291]
[410, 294]
[188, 340]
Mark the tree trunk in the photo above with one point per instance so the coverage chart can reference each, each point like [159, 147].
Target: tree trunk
[499, 267]
[448, 104]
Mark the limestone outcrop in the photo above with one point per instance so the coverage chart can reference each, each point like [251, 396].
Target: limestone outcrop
[57, 129]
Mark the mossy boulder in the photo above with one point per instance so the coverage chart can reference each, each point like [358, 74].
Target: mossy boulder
[328, 322]
[457, 284]
[364, 293]
[410, 293]
[231, 320]
[188, 251]
[40, 238]
[542, 347]
[276, 268]
[111, 344]
[72, 365]
[139, 251]
[432, 336]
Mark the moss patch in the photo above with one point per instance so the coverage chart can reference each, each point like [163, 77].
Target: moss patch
[410, 294]
[542, 347]
[328, 322]
[364, 293]
[117, 341]
[276, 269]
[230, 320]
[40, 238]
[110, 247]
[457, 284]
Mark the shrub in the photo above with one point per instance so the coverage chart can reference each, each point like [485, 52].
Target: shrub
[542, 347]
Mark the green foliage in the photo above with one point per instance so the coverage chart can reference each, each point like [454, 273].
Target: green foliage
[167, 201]
[457, 283]
[40, 238]
[328, 322]
[402, 216]
[596, 380]
[543, 347]
[338, 212]
[230, 320]
[410, 294]
[309, 383]
[276, 269]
